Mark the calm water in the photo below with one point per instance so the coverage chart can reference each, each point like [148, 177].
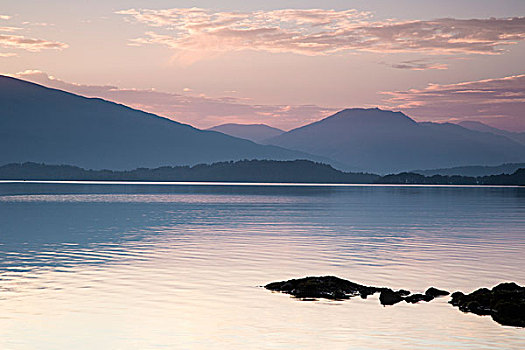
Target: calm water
[179, 267]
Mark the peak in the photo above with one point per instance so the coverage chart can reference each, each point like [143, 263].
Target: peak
[241, 125]
[374, 110]
[370, 115]
[359, 109]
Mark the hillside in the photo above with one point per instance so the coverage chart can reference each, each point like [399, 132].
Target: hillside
[478, 126]
[252, 132]
[46, 125]
[381, 141]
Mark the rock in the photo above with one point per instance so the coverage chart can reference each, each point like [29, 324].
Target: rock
[403, 292]
[328, 287]
[434, 292]
[416, 298]
[456, 297]
[505, 303]
[390, 297]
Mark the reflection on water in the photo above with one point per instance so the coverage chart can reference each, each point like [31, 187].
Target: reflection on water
[144, 267]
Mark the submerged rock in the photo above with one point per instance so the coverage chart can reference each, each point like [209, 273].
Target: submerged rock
[329, 287]
[505, 303]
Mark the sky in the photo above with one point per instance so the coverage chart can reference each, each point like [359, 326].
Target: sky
[282, 63]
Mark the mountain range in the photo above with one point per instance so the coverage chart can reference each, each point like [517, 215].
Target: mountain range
[41, 124]
[382, 141]
[44, 125]
[479, 126]
[252, 132]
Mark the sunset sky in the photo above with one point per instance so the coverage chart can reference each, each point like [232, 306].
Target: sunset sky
[282, 63]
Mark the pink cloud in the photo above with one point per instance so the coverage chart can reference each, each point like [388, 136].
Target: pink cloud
[20, 42]
[498, 102]
[9, 29]
[321, 32]
[418, 64]
[29, 44]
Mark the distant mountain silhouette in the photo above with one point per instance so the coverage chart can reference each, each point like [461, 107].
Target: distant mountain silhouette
[479, 126]
[47, 125]
[473, 170]
[384, 141]
[252, 132]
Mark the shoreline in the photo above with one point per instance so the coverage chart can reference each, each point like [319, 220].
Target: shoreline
[226, 183]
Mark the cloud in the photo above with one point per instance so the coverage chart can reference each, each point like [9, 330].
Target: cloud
[499, 102]
[417, 65]
[7, 54]
[38, 24]
[321, 32]
[5, 17]
[9, 29]
[20, 42]
[201, 111]
[29, 44]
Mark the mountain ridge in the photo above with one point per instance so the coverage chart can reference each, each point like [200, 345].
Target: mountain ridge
[381, 141]
[252, 132]
[482, 127]
[49, 125]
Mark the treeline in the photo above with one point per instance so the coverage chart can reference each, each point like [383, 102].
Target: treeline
[516, 178]
[298, 171]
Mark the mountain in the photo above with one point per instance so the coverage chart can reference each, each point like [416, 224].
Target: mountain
[252, 132]
[40, 124]
[473, 170]
[478, 126]
[381, 141]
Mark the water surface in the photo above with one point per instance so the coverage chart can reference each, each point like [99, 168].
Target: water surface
[164, 267]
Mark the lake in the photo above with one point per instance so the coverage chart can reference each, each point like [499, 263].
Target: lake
[180, 267]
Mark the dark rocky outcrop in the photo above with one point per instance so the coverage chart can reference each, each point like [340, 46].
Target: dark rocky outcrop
[390, 297]
[434, 292]
[429, 295]
[416, 298]
[328, 287]
[505, 303]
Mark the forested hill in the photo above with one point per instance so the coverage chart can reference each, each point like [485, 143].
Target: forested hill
[516, 178]
[301, 171]
[298, 171]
